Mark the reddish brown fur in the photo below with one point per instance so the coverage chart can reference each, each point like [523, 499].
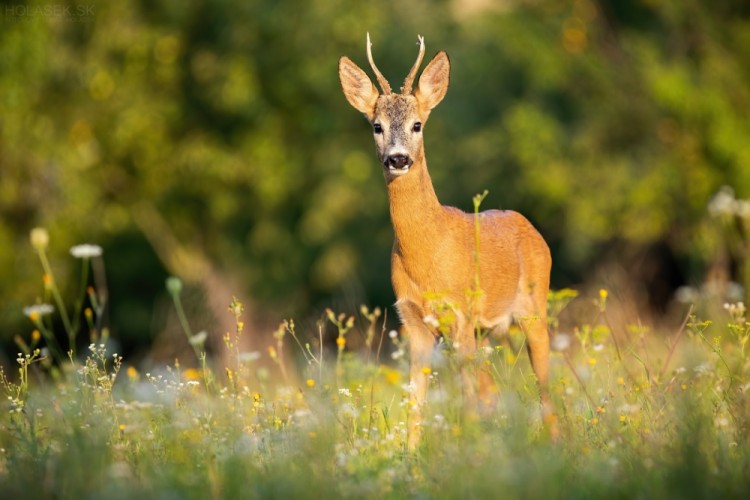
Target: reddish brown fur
[435, 246]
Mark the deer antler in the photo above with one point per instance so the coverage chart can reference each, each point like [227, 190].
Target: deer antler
[406, 89]
[381, 79]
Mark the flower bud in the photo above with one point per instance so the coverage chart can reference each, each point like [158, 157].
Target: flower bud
[39, 238]
[174, 286]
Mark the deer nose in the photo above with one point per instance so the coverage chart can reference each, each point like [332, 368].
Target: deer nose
[398, 161]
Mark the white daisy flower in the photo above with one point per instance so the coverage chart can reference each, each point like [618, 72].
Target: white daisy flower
[86, 251]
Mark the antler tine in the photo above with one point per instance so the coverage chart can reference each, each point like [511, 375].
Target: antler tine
[381, 79]
[406, 89]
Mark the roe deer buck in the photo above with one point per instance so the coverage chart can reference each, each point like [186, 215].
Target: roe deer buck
[436, 248]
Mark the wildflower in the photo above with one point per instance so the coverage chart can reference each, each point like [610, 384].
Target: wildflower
[742, 208]
[736, 310]
[431, 320]
[620, 381]
[603, 294]
[39, 238]
[272, 353]
[36, 336]
[174, 285]
[310, 383]
[236, 307]
[561, 342]
[86, 251]
[36, 311]
[341, 342]
[345, 392]
[393, 334]
[132, 373]
[392, 376]
[426, 370]
[192, 374]
[686, 295]
[247, 357]
[592, 361]
[198, 339]
[721, 421]
[723, 203]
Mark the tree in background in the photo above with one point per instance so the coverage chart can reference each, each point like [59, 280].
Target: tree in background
[210, 140]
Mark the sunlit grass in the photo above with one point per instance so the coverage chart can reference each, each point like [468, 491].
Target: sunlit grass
[641, 413]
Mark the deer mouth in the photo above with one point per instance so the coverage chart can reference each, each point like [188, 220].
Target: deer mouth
[396, 171]
[398, 164]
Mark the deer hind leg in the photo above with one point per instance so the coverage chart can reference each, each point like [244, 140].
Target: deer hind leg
[421, 345]
[533, 321]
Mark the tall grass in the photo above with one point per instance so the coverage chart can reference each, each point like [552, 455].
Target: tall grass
[641, 413]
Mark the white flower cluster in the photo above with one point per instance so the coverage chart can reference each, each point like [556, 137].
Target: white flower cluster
[724, 203]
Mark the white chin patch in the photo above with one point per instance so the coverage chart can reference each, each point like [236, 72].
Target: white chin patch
[397, 171]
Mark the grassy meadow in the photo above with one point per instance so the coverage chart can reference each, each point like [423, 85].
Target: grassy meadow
[658, 414]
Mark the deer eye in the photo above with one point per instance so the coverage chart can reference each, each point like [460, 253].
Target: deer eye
[377, 128]
[417, 127]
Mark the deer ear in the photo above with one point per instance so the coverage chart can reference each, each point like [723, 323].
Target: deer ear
[358, 89]
[433, 84]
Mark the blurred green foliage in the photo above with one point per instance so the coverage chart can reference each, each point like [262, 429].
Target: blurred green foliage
[185, 136]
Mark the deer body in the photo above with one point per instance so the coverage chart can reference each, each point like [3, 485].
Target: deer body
[435, 252]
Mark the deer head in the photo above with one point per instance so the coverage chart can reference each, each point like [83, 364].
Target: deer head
[397, 119]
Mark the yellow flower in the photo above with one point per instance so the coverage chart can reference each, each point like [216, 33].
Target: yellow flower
[310, 382]
[392, 376]
[620, 381]
[592, 361]
[341, 342]
[594, 421]
[192, 374]
[36, 336]
[132, 373]
[603, 294]
[426, 370]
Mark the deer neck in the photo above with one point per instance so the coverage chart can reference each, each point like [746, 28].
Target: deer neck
[415, 209]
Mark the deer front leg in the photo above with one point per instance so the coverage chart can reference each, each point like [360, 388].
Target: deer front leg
[421, 344]
[466, 350]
